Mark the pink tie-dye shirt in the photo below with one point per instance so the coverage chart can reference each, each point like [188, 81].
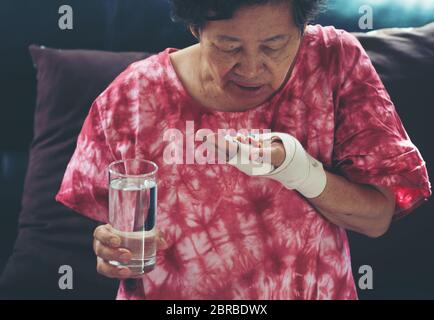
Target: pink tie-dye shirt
[231, 236]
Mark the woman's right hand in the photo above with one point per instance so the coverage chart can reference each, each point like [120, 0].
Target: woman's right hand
[106, 245]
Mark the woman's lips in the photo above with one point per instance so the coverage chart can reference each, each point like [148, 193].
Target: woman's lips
[251, 88]
[248, 85]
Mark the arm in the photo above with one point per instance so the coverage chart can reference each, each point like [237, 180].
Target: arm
[362, 208]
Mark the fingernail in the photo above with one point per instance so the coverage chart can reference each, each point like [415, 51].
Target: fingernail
[115, 242]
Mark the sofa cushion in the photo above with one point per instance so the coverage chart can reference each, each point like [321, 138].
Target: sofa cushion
[51, 235]
[404, 59]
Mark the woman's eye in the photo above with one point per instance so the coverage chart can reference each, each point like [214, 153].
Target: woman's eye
[230, 50]
[271, 50]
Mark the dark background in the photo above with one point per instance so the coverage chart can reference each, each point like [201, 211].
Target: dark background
[402, 260]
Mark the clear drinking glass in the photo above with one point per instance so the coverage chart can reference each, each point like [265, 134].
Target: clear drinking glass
[133, 210]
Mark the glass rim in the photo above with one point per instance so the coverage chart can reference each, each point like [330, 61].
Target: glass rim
[124, 175]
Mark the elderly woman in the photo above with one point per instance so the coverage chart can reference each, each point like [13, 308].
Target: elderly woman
[340, 158]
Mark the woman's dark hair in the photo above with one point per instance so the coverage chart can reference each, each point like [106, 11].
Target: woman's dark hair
[197, 12]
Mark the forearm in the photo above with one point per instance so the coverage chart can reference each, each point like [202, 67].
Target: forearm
[361, 208]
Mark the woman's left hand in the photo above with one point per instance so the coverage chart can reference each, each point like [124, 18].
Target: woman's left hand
[275, 155]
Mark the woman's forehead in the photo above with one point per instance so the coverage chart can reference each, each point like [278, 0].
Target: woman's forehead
[261, 22]
[273, 38]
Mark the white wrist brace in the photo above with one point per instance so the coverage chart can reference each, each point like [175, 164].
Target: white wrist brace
[298, 171]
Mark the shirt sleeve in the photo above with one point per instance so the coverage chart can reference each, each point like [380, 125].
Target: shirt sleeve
[371, 145]
[85, 183]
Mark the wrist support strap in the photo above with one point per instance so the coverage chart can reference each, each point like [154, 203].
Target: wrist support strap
[298, 171]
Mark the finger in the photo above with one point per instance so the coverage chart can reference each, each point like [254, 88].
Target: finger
[106, 236]
[111, 271]
[261, 155]
[108, 253]
[226, 147]
[278, 154]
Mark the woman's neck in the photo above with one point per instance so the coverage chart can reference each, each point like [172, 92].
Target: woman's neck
[195, 75]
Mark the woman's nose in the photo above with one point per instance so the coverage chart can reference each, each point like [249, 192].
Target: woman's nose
[250, 66]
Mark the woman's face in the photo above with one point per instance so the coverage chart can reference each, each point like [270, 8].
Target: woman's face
[249, 55]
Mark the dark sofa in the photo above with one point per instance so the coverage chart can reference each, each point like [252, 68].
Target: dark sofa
[51, 235]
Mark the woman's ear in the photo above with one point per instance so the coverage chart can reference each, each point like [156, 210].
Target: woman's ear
[195, 31]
